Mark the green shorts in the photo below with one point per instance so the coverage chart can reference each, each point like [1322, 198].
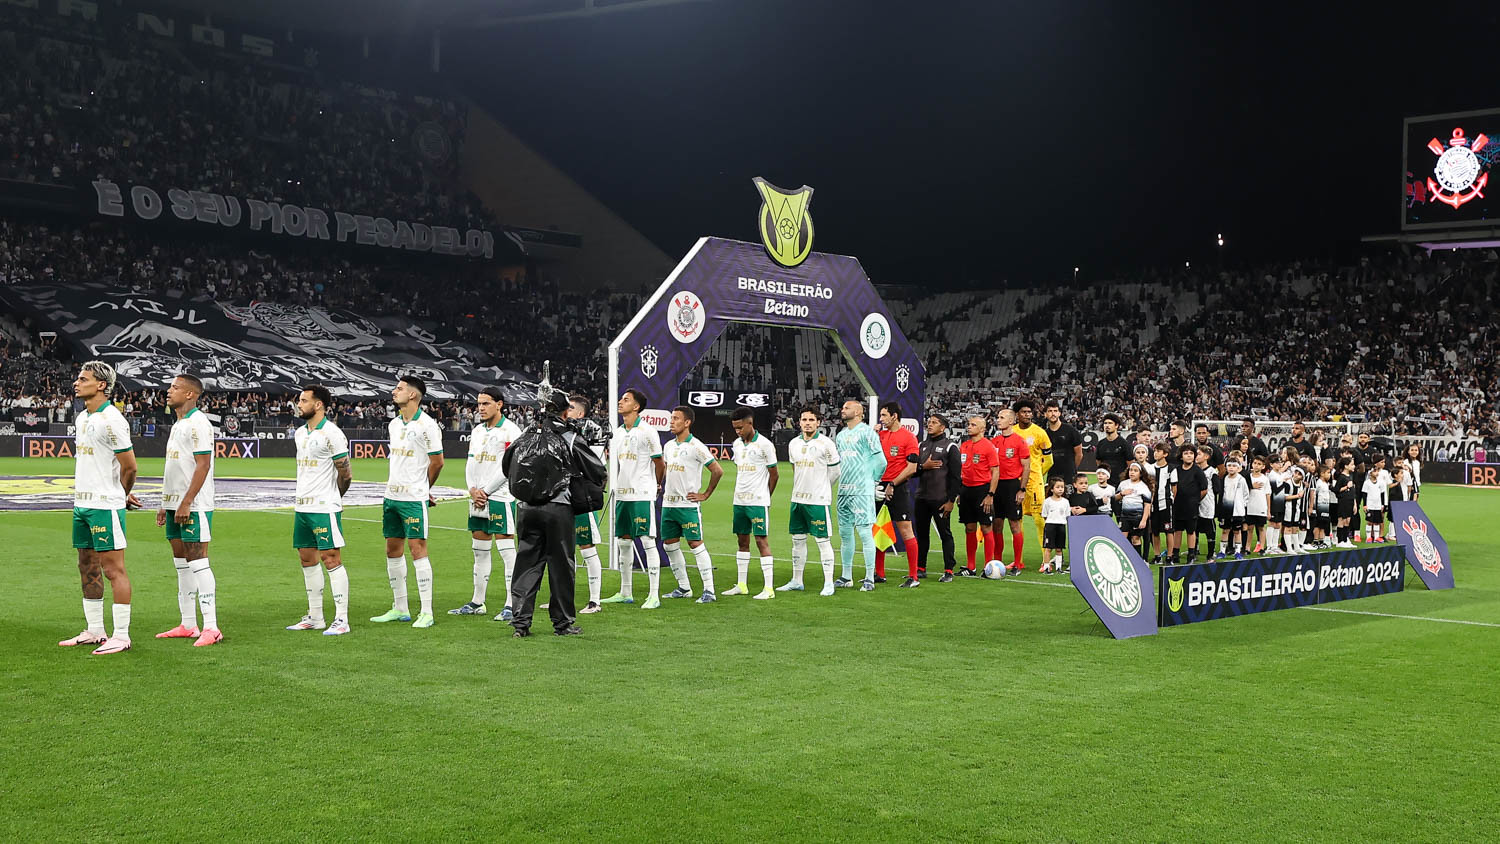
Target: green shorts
[808, 518]
[404, 519]
[586, 529]
[635, 518]
[500, 522]
[323, 531]
[751, 520]
[98, 530]
[682, 523]
[198, 529]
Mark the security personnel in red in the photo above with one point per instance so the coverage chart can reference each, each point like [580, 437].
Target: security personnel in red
[900, 448]
[1015, 464]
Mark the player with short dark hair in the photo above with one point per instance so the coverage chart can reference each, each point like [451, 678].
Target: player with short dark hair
[187, 512]
[685, 457]
[635, 450]
[1067, 443]
[815, 469]
[754, 484]
[323, 476]
[586, 532]
[416, 459]
[492, 509]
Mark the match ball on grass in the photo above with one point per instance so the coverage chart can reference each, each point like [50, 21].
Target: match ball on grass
[994, 570]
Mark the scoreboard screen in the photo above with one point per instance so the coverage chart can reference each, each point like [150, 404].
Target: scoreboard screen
[1450, 180]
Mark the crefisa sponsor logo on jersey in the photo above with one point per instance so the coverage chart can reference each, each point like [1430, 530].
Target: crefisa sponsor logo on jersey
[686, 316]
[1112, 576]
[648, 361]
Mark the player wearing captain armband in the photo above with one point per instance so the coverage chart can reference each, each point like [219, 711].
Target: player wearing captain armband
[492, 509]
[815, 469]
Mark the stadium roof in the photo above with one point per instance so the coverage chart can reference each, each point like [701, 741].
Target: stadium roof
[386, 16]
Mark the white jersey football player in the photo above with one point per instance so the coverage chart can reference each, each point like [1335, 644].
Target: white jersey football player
[492, 509]
[104, 473]
[754, 482]
[681, 514]
[323, 476]
[635, 450]
[416, 455]
[187, 511]
[815, 469]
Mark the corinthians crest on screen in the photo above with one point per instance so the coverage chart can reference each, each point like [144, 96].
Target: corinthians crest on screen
[686, 317]
[1458, 175]
[786, 228]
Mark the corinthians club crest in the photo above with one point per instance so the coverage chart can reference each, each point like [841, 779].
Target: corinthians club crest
[686, 317]
[648, 361]
[1421, 545]
[1459, 174]
[786, 229]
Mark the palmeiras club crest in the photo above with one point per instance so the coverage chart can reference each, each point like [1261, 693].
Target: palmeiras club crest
[648, 361]
[1459, 175]
[903, 377]
[1421, 545]
[686, 316]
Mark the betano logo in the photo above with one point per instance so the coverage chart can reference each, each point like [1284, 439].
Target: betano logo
[786, 229]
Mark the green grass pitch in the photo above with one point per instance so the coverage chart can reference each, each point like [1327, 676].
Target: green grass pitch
[971, 710]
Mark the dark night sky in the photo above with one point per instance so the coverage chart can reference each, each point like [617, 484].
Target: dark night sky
[966, 143]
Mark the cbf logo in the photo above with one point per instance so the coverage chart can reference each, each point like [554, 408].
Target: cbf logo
[903, 378]
[1112, 576]
[1421, 545]
[786, 229]
[1460, 175]
[686, 317]
[875, 336]
[648, 361]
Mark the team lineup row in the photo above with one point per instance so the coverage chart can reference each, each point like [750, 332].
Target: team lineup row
[869, 471]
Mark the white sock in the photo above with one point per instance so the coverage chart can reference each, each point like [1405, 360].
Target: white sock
[679, 566]
[186, 585]
[205, 579]
[705, 568]
[93, 615]
[767, 565]
[395, 571]
[1223, 545]
[121, 613]
[742, 565]
[799, 556]
[825, 556]
[483, 565]
[313, 576]
[625, 558]
[338, 579]
[595, 572]
[653, 567]
[423, 568]
[508, 562]
[1273, 536]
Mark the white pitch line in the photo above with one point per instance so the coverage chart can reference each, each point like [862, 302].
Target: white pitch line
[1409, 617]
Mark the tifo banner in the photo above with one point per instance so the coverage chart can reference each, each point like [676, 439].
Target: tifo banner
[1111, 576]
[724, 281]
[1207, 591]
[262, 346]
[1424, 546]
[146, 203]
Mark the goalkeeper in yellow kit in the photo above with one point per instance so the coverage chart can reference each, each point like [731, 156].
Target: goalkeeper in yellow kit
[1041, 462]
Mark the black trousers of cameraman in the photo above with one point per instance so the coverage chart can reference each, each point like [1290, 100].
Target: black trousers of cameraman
[544, 539]
[927, 513]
